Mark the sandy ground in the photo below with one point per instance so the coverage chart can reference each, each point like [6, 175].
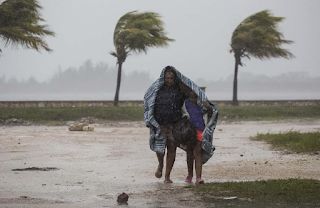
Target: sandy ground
[95, 167]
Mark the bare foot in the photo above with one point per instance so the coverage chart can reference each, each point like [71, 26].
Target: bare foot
[167, 180]
[158, 173]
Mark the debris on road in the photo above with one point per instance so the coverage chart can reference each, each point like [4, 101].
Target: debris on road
[36, 169]
[123, 198]
[80, 127]
[230, 198]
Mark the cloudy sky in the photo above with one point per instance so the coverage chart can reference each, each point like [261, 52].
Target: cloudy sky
[202, 30]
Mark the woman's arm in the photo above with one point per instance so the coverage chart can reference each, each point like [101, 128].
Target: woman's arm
[208, 106]
[184, 110]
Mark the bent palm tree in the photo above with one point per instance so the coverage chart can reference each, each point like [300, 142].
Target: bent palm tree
[257, 36]
[136, 32]
[19, 24]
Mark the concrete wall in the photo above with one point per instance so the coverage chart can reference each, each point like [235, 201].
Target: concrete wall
[139, 103]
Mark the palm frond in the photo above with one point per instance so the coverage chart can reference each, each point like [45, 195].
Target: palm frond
[19, 25]
[258, 36]
[137, 32]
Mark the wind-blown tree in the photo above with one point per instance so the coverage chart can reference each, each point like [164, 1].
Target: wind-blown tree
[19, 25]
[257, 36]
[136, 32]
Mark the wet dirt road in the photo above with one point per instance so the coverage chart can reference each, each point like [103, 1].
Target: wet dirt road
[93, 168]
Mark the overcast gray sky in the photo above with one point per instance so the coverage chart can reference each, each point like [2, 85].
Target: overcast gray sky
[202, 30]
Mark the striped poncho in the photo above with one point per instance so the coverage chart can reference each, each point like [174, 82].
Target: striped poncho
[157, 141]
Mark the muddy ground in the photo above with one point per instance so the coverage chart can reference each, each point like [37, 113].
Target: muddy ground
[90, 169]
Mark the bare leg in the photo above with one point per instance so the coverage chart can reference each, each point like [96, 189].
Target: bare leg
[158, 173]
[190, 159]
[171, 156]
[198, 157]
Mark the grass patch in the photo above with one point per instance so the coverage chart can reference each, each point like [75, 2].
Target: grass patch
[44, 115]
[228, 113]
[292, 141]
[257, 113]
[270, 193]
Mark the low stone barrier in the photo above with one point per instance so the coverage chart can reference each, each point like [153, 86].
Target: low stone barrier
[57, 104]
[139, 103]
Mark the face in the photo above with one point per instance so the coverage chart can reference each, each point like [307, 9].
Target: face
[169, 78]
[193, 97]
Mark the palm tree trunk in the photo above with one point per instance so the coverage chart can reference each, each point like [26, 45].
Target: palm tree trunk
[116, 97]
[235, 83]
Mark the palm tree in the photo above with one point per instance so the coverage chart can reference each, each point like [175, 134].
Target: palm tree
[19, 25]
[259, 37]
[136, 32]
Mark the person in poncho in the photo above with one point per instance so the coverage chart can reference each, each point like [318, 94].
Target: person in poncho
[162, 108]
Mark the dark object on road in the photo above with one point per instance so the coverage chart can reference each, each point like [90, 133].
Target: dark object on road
[36, 169]
[123, 198]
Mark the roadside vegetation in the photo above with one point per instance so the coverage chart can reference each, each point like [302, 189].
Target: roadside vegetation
[292, 141]
[226, 113]
[268, 113]
[270, 193]
[61, 115]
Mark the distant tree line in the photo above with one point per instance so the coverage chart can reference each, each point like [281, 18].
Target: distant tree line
[248, 82]
[100, 78]
[84, 79]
